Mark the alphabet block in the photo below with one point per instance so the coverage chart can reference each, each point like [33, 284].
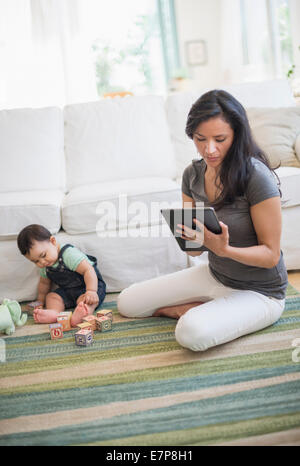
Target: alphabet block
[56, 331]
[64, 318]
[104, 324]
[85, 326]
[91, 320]
[105, 312]
[31, 306]
[84, 337]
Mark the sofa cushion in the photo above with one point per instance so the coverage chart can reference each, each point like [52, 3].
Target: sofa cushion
[297, 146]
[289, 185]
[177, 109]
[117, 139]
[116, 205]
[17, 210]
[275, 130]
[272, 93]
[32, 149]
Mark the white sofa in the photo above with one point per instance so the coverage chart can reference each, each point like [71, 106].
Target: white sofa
[96, 174]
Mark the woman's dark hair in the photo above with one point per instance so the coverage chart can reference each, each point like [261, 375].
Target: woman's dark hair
[236, 168]
[30, 234]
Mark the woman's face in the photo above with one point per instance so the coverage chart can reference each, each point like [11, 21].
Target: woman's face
[213, 138]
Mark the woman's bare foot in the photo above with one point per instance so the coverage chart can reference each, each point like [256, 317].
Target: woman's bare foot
[175, 312]
[45, 316]
[81, 311]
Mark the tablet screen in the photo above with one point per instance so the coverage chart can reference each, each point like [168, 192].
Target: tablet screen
[205, 215]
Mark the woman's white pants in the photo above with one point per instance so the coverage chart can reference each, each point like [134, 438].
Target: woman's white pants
[225, 315]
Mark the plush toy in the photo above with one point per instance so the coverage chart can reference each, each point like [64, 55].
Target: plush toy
[11, 315]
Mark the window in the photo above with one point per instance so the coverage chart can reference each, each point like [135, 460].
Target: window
[57, 52]
[266, 37]
[133, 44]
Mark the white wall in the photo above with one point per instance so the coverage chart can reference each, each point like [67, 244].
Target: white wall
[295, 23]
[199, 20]
[202, 19]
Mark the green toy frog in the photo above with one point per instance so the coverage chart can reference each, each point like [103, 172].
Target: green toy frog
[11, 315]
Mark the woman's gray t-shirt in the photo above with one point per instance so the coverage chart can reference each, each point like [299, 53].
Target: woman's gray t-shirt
[262, 185]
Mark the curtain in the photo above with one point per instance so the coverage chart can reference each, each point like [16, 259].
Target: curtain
[231, 46]
[44, 57]
[167, 20]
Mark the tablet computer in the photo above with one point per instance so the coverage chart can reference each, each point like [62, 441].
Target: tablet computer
[206, 215]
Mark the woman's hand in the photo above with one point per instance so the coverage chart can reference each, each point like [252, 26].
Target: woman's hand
[194, 253]
[215, 243]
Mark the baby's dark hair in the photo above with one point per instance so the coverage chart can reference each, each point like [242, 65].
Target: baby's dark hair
[29, 234]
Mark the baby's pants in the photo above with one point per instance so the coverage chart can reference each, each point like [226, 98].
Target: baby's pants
[225, 315]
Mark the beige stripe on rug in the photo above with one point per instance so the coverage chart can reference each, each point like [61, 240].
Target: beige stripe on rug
[285, 438]
[61, 418]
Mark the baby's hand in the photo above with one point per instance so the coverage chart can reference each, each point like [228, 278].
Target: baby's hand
[91, 297]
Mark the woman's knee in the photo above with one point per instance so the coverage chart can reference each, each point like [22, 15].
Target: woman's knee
[192, 332]
[126, 303]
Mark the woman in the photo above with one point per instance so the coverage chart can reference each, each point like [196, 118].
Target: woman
[242, 289]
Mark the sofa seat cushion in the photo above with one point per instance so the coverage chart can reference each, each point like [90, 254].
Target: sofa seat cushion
[290, 182]
[118, 205]
[19, 209]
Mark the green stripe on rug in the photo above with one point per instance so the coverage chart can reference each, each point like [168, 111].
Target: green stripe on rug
[268, 401]
[211, 434]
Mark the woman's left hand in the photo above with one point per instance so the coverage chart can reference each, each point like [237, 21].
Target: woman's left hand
[215, 243]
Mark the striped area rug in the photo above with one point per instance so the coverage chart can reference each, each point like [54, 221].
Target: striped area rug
[136, 386]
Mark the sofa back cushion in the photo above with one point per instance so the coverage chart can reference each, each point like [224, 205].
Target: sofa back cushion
[31, 149]
[115, 139]
[276, 130]
[177, 108]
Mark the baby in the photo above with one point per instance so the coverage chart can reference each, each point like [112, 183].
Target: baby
[80, 284]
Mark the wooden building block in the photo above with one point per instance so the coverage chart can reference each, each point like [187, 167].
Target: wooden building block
[85, 326]
[105, 312]
[33, 305]
[84, 337]
[91, 320]
[64, 318]
[56, 331]
[104, 324]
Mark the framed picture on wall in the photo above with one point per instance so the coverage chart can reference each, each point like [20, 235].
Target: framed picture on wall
[196, 52]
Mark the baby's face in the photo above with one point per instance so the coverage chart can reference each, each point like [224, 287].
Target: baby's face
[43, 253]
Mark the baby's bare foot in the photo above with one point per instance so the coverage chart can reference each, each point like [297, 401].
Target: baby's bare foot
[45, 316]
[79, 313]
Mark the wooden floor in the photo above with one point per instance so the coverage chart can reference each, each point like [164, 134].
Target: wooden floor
[294, 279]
